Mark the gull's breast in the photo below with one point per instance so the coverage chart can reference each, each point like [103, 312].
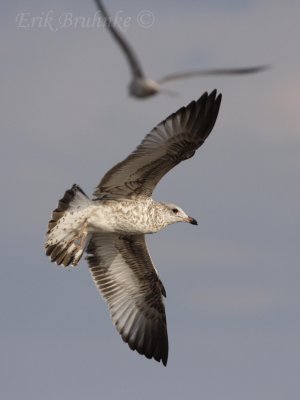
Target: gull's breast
[117, 217]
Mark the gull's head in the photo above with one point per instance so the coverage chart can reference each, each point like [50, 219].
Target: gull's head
[176, 214]
[142, 87]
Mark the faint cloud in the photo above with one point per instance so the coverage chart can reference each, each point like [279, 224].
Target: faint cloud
[286, 103]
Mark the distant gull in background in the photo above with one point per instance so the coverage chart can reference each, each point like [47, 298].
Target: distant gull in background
[112, 227]
[141, 86]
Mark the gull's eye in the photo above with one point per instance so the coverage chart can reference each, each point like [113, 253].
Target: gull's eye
[175, 210]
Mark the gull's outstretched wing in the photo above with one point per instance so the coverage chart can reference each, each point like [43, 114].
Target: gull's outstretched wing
[172, 141]
[213, 71]
[135, 66]
[123, 272]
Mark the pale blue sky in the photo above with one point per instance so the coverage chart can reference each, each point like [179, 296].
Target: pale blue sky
[232, 282]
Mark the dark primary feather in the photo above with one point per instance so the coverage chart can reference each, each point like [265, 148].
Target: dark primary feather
[173, 140]
[123, 272]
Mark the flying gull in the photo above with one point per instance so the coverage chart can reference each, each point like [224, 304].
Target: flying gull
[141, 86]
[112, 226]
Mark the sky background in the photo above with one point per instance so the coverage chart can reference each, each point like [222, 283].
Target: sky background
[233, 282]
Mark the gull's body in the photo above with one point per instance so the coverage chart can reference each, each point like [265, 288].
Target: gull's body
[141, 86]
[112, 226]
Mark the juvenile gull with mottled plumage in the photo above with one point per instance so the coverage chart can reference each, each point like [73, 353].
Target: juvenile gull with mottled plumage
[112, 226]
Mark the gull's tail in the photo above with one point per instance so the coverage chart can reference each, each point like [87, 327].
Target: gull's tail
[67, 235]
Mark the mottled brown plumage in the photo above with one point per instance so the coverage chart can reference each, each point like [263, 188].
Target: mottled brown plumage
[112, 227]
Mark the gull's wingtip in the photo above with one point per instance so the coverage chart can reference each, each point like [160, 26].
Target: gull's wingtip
[257, 68]
[219, 96]
[213, 96]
